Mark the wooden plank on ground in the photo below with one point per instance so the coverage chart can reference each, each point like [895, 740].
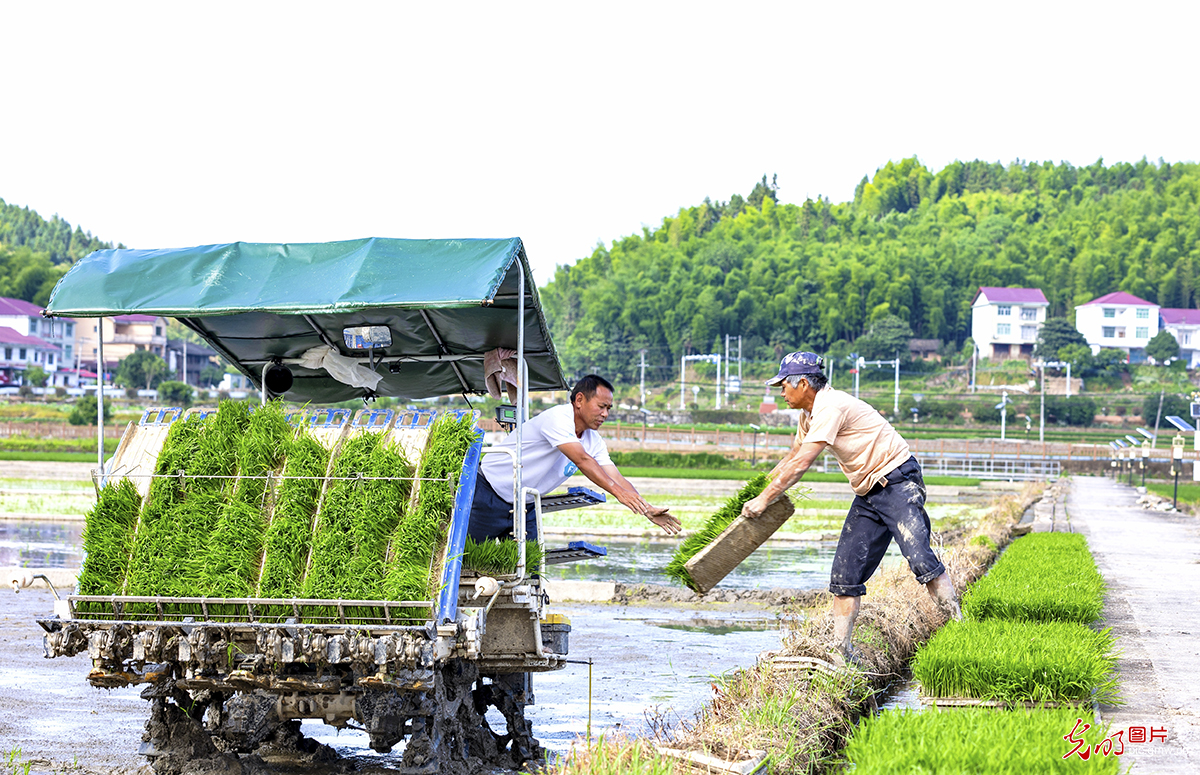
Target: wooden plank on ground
[736, 543]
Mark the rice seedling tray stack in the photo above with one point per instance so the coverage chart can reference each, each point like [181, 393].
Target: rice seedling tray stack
[707, 556]
[252, 514]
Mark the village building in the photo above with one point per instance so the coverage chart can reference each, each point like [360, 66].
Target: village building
[1005, 321]
[123, 336]
[1184, 325]
[47, 342]
[1118, 321]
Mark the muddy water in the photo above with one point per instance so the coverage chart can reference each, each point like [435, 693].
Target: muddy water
[41, 544]
[641, 561]
[644, 661]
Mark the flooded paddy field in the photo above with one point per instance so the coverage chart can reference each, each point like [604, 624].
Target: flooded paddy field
[646, 661]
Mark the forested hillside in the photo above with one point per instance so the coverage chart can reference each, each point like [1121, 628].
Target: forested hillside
[913, 244]
[35, 252]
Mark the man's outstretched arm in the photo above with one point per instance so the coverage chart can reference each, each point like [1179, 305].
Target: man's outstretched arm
[788, 472]
[618, 486]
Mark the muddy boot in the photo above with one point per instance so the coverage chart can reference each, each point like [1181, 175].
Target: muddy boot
[944, 595]
[847, 657]
[843, 654]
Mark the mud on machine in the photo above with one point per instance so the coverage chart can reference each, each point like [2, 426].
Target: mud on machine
[326, 323]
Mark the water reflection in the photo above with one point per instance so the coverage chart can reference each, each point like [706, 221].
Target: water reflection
[641, 561]
[41, 544]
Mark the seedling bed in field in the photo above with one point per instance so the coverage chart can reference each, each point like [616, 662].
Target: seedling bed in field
[981, 741]
[1042, 577]
[1062, 662]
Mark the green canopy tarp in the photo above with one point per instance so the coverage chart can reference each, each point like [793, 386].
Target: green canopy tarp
[446, 303]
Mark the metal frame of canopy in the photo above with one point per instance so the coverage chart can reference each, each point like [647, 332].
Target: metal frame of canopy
[305, 322]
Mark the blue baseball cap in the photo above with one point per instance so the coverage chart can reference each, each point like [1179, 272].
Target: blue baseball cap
[794, 364]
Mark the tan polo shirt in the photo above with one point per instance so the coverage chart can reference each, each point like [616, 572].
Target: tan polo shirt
[865, 445]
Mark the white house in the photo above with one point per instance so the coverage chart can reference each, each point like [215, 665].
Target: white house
[1184, 325]
[1118, 321]
[57, 357]
[1005, 321]
[19, 353]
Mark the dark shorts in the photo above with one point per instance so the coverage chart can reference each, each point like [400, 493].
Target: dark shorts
[895, 511]
[492, 516]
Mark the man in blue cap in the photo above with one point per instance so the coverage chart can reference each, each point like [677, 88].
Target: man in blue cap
[889, 491]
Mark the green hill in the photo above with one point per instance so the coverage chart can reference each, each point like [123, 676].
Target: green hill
[35, 252]
[912, 243]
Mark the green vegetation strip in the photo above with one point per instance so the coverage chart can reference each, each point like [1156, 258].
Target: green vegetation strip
[108, 539]
[1042, 577]
[289, 537]
[235, 546]
[691, 546]
[500, 556]
[981, 741]
[743, 474]
[413, 569]
[1018, 662]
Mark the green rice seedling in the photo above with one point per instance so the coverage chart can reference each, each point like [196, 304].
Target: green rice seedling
[178, 450]
[365, 512]
[333, 543]
[412, 572]
[289, 536]
[235, 545]
[500, 556]
[716, 525]
[108, 540]
[170, 550]
[981, 741]
[216, 448]
[1018, 661]
[1041, 577]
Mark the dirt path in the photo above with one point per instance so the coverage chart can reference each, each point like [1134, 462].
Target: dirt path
[1151, 562]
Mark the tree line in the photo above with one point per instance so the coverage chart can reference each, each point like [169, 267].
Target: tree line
[35, 253]
[907, 254]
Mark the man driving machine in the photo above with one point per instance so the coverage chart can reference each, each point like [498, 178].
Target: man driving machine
[554, 445]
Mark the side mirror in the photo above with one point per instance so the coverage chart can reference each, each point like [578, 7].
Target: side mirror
[367, 337]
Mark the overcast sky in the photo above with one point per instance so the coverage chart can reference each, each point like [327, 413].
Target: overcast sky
[176, 124]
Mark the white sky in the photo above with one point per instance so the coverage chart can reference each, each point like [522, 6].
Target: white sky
[171, 124]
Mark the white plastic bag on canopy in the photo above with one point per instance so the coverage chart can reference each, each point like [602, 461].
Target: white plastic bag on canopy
[341, 368]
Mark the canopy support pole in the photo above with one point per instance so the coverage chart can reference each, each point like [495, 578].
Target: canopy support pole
[457, 371]
[308, 319]
[522, 403]
[100, 399]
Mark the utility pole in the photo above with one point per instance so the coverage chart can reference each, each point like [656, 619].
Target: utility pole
[718, 380]
[725, 384]
[1157, 417]
[641, 353]
[896, 402]
[739, 359]
[974, 362]
[1003, 412]
[1042, 412]
[682, 371]
[185, 361]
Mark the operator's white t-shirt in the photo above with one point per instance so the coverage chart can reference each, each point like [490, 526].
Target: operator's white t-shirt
[544, 466]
